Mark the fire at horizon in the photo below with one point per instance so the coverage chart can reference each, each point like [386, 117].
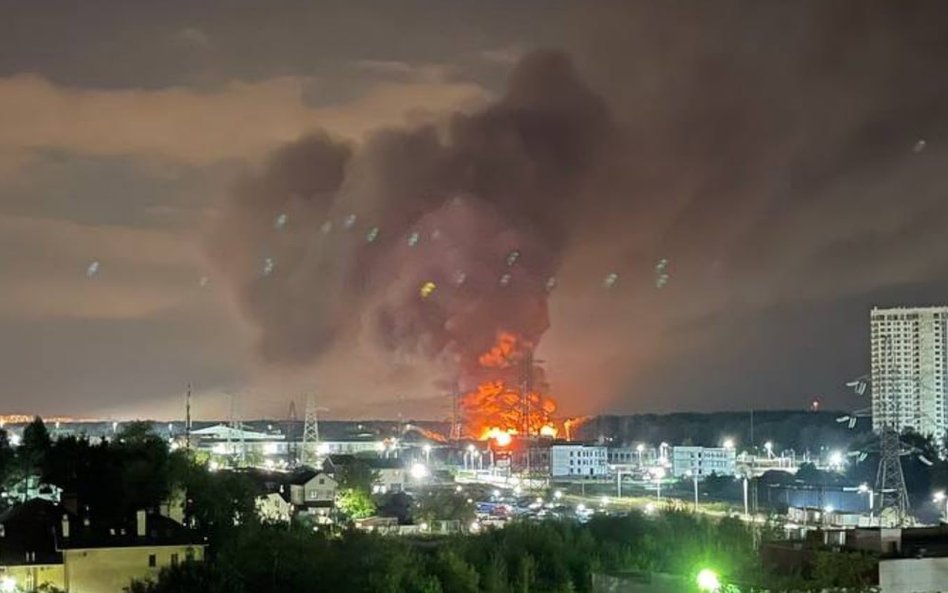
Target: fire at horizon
[496, 408]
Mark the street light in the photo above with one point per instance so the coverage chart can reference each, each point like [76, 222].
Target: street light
[941, 497]
[419, 471]
[427, 450]
[770, 449]
[694, 479]
[658, 473]
[836, 460]
[640, 448]
[865, 489]
[708, 581]
[728, 443]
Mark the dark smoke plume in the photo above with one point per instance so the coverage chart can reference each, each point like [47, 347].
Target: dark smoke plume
[330, 241]
[777, 155]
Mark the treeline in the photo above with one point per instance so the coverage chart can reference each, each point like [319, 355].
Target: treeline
[797, 430]
[547, 557]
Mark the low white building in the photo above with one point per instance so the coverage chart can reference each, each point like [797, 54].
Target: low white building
[579, 461]
[703, 461]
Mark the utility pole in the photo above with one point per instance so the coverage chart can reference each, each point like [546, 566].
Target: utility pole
[187, 420]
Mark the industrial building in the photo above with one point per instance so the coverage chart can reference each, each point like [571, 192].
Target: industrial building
[703, 461]
[908, 369]
[575, 460]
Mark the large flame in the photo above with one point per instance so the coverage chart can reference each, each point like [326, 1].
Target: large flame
[495, 408]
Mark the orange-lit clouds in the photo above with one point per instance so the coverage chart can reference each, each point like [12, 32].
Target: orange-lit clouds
[240, 120]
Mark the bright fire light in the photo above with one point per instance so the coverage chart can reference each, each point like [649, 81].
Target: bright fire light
[501, 437]
[548, 431]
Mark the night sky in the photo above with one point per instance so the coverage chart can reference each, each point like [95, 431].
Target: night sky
[705, 199]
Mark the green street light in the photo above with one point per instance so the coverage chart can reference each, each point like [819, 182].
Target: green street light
[708, 581]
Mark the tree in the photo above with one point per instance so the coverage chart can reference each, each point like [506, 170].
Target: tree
[444, 505]
[34, 446]
[356, 504]
[357, 474]
[7, 458]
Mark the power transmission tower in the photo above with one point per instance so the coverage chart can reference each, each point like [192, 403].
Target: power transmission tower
[310, 453]
[236, 429]
[456, 413]
[890, 481]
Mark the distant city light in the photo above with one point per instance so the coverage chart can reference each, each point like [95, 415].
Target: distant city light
[728, 443]
[15, 440]
[640, 447]
[558, 494]
[939, 496]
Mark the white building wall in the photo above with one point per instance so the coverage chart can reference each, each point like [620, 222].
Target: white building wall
[908, 368]
[575, 461]
[703, 461]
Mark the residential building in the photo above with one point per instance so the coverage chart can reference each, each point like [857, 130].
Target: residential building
[908, 369]
[42, 543]
[390, 472]
[703, 461]
[574, 460]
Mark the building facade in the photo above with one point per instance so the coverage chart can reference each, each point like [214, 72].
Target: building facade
[703, 461]
[909, 366]
[578, 461]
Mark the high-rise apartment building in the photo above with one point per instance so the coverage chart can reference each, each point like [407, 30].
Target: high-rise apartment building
[909, 349]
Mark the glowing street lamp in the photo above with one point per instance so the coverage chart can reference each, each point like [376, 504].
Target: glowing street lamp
[769, 446]
[865, 489]
[836, 460]
[940, 497]
[658, 474]
[694, 479]
[640, 448]
[558, 494]
[708, 581]
[427, 450]
[419, 471]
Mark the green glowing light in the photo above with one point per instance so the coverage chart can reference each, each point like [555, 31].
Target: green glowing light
[708, 580]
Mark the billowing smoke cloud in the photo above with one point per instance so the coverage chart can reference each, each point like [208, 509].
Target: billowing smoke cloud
[430, 241]
[773, 154]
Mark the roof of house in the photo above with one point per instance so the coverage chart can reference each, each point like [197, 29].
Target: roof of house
[31, 527]
[373, 462]
[36, 527]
